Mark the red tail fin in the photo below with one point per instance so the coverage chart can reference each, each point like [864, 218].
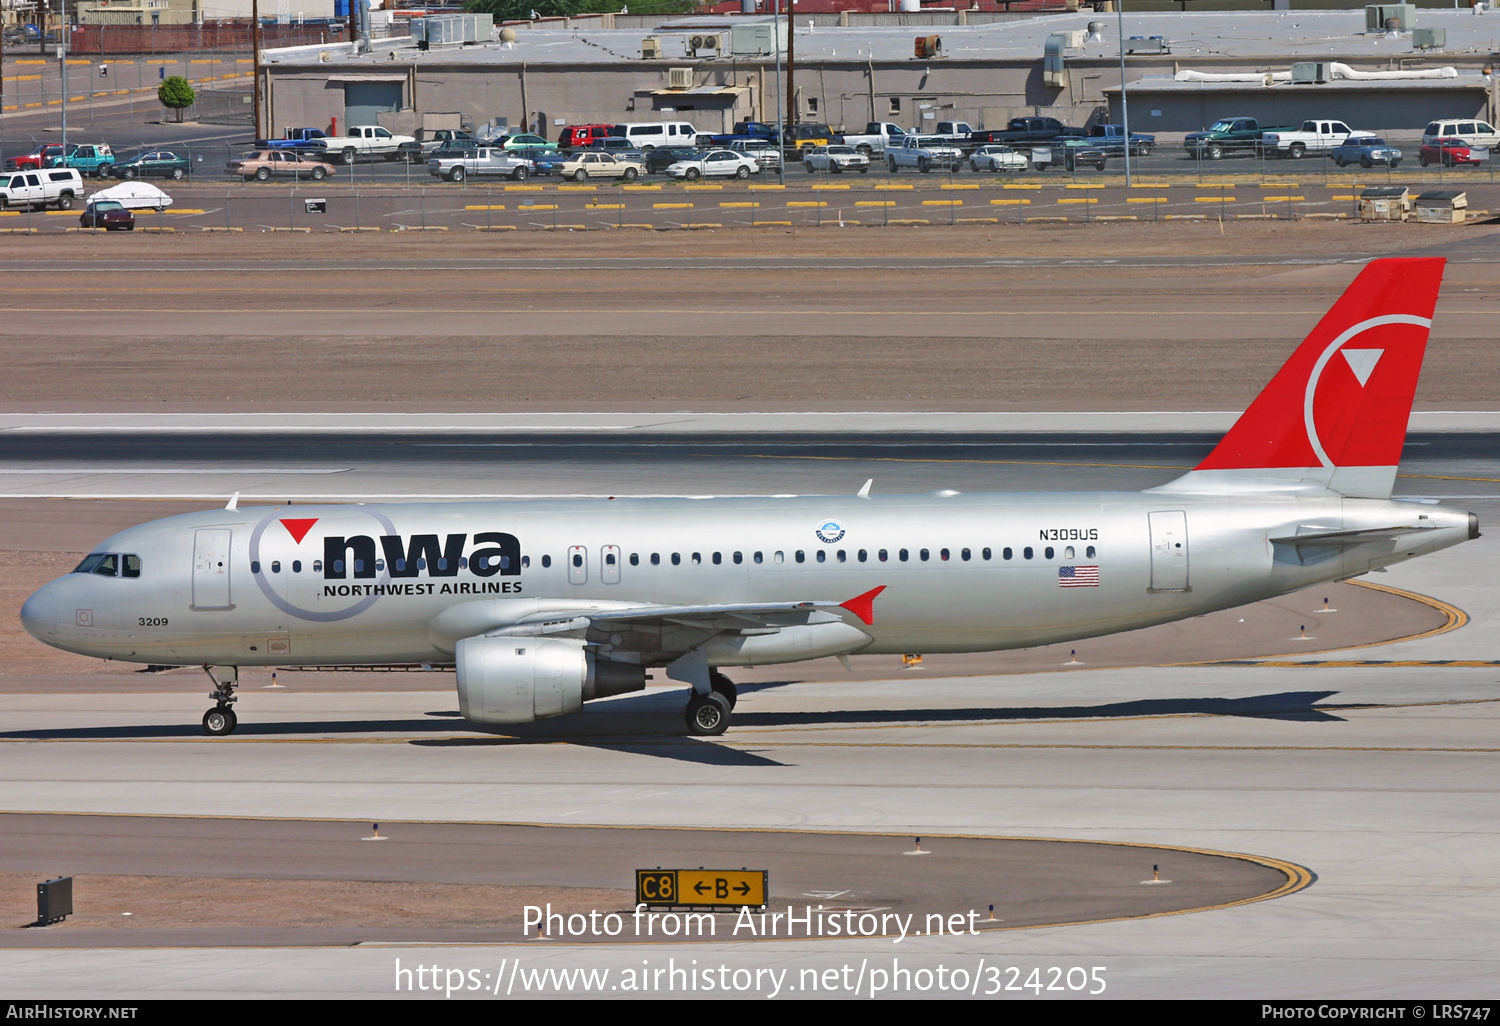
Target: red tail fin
[1335, 415]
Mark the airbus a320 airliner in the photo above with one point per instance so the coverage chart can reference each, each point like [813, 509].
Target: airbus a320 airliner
[542, 606]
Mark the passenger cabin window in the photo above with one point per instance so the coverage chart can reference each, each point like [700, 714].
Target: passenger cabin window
[1026, 552]
[676, 558]
[546, 561]
[296, 566]
[822, 556]
[1089, 552]
[1049, 552]
[656, 559]
[1006, 554]
[800, 556]
[635, 559]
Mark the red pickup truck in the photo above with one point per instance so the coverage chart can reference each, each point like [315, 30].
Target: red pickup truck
[36, 159]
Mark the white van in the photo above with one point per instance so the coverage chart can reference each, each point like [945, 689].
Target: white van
[1475, 133]
[648, 135]
[48, 187]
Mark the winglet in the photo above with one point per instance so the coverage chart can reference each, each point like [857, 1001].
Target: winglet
[863, 606]
[234, 501]
[864, 493]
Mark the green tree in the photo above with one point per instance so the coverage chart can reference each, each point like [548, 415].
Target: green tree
[175, 93]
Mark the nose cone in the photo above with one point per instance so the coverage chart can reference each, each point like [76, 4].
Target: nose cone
[39, 613]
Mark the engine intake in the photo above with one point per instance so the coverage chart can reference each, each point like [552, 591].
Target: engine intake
[520, 679]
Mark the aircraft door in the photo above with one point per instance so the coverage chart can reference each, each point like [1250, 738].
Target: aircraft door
[1169, 551]
[609, 564]
[211, 551]
[578, 564]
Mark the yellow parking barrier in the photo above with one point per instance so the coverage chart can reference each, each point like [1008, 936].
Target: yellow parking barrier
[1023, 201]
[807, 203]
[1078, 199]
[959, 185]
[1213, 199]
[671, 206]
[739, 205]
[537, 206]
[485, 206]
[830, 187]
[874, 203]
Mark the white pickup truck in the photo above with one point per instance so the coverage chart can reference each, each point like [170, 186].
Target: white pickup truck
[924, 152]
[56, 187]
[364, 142]
[877, 137]
[1312, 137]
[457, 165]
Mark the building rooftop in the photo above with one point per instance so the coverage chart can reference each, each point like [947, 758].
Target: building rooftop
[1272, 37]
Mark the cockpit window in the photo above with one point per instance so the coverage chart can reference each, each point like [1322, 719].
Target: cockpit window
[110, 564]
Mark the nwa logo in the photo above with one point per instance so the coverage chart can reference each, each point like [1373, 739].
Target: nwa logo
[495, 553]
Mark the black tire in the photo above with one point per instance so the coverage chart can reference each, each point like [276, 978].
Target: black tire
[631, 174]
[742, 172]
[1366, 162]
[262, 174]
[834, 169]
[219, 721]
[580, 175]
[1338, 161]
[891, 163]
[1296, 151]
[865, 170]
[178, 174]
[1424, 161]
[1395, 163]
[692, 174]
[347, 156]
[519, 174]
[318, 174]
[722, 685]
[130, 227]
[922, 165]
[707, 715]
[456, 173]
[808, 167]
[65, 201]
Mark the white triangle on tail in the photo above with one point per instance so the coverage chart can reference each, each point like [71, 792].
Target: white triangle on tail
[1362, 362]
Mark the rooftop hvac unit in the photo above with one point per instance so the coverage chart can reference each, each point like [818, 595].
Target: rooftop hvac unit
[1053, 62]
[679, 78]
[1310, 72]
[756, 38]
[1148, 44]
[1073, 38]
[706, 42]
[1429, 38]
[1376, 16]
[928, 46]
[651, 48]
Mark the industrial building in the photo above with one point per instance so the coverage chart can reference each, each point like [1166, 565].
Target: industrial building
[1401, 67]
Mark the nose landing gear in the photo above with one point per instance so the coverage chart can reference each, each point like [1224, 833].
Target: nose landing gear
[220, 720]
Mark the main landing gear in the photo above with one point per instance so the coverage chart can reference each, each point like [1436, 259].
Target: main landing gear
[220, 719]
[708, 714]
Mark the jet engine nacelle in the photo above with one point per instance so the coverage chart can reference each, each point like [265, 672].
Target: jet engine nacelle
[520, 679]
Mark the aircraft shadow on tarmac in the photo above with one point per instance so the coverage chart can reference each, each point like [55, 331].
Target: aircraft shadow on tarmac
[653, 725]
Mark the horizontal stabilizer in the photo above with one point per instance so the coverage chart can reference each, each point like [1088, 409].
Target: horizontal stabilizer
[1340, 539]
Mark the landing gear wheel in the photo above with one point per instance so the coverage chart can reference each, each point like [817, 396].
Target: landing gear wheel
[219, 721]
[722, 685]
[707, 715]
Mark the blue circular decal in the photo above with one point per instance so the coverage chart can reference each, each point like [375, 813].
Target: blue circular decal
[830, 531]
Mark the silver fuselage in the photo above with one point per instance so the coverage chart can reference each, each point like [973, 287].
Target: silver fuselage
[276, 600]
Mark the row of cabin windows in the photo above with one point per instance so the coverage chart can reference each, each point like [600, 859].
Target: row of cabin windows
[483, 563]
[696, 559]
[860, 555]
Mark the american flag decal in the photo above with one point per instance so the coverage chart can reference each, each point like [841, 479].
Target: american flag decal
[1078, 577]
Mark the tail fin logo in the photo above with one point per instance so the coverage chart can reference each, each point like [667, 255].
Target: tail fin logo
[1333, 404]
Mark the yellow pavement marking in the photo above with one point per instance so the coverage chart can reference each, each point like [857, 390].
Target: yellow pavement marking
[978, 220]
[1281, 199]
[912, 220]
[605, 206]
[943, 203]
[1342, 196]
[522, 188]
[702, 224]
[1014, 185]
[749, 204]
[537, 206]
[830, 187]
[479, 228]
[770, 224]
[703, 188]
[1281, 185]
[1078, 199]
[959, 185]
[642, 188]
[900, 186]
[1010, 202]
[1147, 199]
[807, 203]
[874, 203]
[1030, 219]
[1075, 185]
[765, 188]
[1213, 199]
[1117, 217]
[1187, 217]
[485, 206]
[671, 206]
[578, 188]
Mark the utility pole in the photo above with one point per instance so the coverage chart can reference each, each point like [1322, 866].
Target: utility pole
[791, 59]
[62, 69]
[781, 134]
[1124, 103]
[255, 53]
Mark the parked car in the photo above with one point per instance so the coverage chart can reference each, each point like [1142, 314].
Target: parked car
[111, 215]
[155, 164]
[590, 164]
[1447, 153]
[923, 152]
[1228, 135]
[263, 165]
[365, 142]
[429, 141]
[522, 141]
[461, 162]
[1366, 151]
[649, 135]
[47, 187]
[715, 164]
[805, 137]
[764, 152]
[35, 159]
[1313, 137]
[546, 162]
[622, 148]
[660, 159]
[835, 159]
[998, 157]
